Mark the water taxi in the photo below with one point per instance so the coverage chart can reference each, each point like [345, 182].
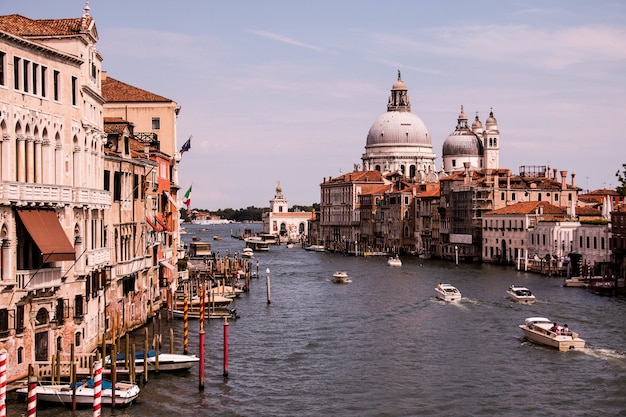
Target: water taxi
[520, 294]
[542, 331]
[447, 292]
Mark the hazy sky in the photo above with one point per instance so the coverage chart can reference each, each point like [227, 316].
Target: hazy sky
[287, 90]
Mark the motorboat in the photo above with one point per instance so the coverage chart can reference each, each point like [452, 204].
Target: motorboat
[256, 243]
[341, 277]
[394, 261]
[447, 292]
[520, 294]
[315, 248]
[247, 252]
[166, 361]
[217, 238]
[125, 393]
[542, 331]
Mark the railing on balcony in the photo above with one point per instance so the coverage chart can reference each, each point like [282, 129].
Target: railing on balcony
[98, 257]
[132, 266]
[35, 193]
[38, 278]
[91, 197]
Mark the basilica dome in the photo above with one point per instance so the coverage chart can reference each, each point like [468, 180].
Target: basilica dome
[398, 128]
[463, 141]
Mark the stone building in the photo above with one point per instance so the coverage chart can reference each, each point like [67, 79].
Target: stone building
[288, 226]
[52, 203]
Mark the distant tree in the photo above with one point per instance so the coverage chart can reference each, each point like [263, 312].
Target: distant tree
[621, 177]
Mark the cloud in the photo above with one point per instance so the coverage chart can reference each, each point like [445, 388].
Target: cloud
[285, 39]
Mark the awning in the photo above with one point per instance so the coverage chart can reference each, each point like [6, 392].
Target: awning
[44, 227]
[161, 222]
[168, 265]
[153, 225]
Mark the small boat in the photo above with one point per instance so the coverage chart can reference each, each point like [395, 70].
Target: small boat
[541, 330]
[167, 361]
[247, 253]
[341, 277]
[447, 292]
[520, 294]
[576, 282]
[315, 248]
[218, 238]
[394, 261]
[125, 393]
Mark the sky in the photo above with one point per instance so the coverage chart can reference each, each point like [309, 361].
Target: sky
[286, 91]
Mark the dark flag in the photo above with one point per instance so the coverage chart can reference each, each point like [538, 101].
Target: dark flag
[186, 146]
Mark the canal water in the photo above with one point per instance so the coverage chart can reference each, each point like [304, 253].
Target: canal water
[384, 346]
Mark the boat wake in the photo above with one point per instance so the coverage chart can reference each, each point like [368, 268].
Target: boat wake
[614, 357]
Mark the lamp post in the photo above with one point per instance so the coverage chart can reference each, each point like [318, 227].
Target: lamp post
[456, 254]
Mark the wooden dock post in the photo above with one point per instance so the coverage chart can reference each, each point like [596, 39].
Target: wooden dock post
[225, 347]
[267, 282]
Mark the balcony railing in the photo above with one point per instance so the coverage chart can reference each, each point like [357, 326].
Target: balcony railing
[39, 278]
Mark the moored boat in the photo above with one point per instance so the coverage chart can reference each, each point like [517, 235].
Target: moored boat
[247, 252]
[394, 261]
[542, 331]
[341, 277]
[447, 292]
[315, 248]
[166, 361]
[125, 393]
[520, 294]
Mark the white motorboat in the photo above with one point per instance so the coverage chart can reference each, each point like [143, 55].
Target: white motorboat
[315, 248]
[447, 292]
[394, 261]
[166, 361]
[247, 253]
[341, 277]
[520, 294]
[541, 330]
[125, 393]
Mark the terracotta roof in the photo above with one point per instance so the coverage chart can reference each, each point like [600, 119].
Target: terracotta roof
[115, 91]
[25, 27]
[588, 211]
[432, 190]
[529, 207]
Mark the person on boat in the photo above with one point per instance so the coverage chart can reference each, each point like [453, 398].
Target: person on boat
[565, 330]
[555, 328]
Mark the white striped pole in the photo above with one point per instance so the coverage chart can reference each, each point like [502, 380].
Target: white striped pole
[97, 388]
[3, 383]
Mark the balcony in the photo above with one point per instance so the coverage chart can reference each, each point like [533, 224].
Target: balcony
[39, 278]
[30, 193]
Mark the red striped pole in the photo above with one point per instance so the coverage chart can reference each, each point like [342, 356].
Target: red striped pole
[97, 388]
[32, 395]
[3, 383]
[225, 347]
[201, 370]
[186, 324]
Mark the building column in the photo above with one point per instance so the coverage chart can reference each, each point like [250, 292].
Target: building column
[21, 159]
[38, 162]
[30, 159]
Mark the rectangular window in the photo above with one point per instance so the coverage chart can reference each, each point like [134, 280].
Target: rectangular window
[55, 85]
[78, 305]
[135, 186]
[16, 73]
[19, 319]
[74, 91]
[2, 64]
[26, 68]
[35, 69]
[117, 184]
[44, 72]
[156, 123]
[107, 180]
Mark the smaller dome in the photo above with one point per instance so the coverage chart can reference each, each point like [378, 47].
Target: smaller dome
[491, 121]
[477, 125]
[462, 143]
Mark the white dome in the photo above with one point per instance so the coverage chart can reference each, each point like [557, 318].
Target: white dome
[398, 128]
